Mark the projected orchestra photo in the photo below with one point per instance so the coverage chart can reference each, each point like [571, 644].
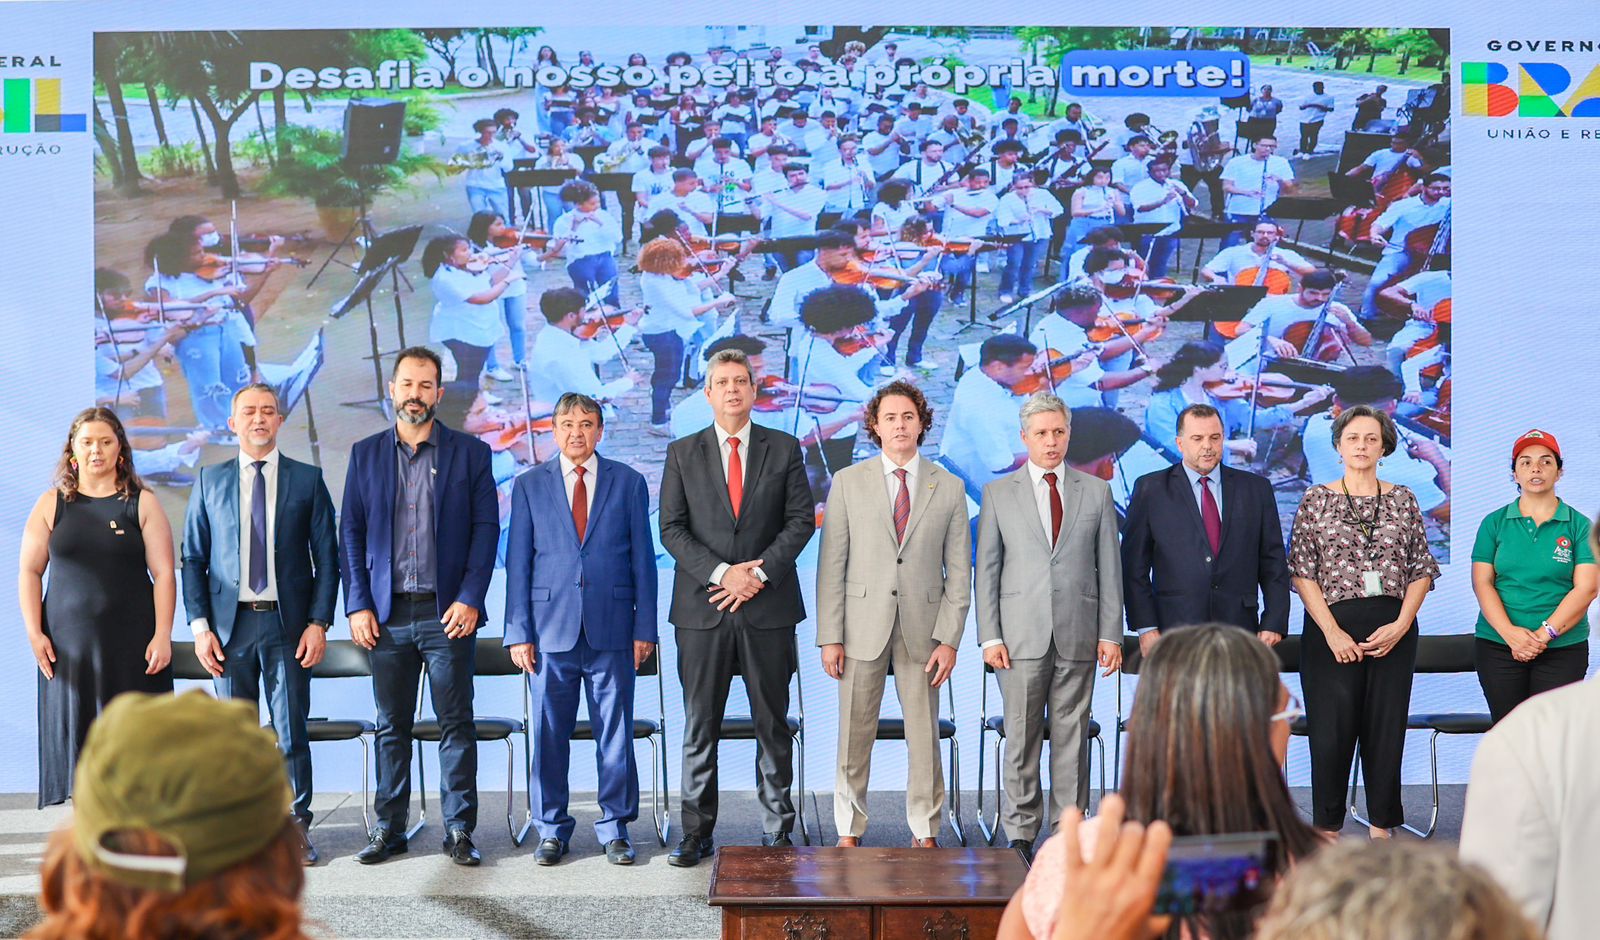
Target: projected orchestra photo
[1281, 255]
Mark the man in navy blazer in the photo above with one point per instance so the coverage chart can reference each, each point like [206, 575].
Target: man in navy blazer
[1201, 540]
[260, 580]
[418, 534]
[581, 611]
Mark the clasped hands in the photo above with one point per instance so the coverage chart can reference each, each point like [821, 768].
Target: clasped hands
[739, 584]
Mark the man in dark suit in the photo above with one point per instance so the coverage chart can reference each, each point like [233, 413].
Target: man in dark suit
[418, 535]
[581, 611]
[1201, 540]
[260, 580]
[736, 510]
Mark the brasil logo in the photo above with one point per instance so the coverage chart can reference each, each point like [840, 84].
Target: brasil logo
[33, 106]
[1488, 90]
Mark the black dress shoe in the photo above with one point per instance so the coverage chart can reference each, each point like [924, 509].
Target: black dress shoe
[689, 852]
[777, 840]
[549, 851]
[308, 852]
[619, 852]
[458, 845]
[384, 844]
[1023, 848]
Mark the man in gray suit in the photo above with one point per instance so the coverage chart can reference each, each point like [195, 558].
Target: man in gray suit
[893, 587]
[1049, 598]
[736, 510]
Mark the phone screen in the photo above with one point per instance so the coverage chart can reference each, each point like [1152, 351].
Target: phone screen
[1216, 874]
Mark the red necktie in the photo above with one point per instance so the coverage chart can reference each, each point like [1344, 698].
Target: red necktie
[902, 506]
[1055, 508]
[580, 503]
[1210, 515]
[735, 476]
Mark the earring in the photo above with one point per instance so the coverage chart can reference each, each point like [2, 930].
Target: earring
[72, 462]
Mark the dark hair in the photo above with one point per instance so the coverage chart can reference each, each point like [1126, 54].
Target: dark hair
[657, 151]
[683, 173]
[478, 228]
[1009, 146]
[930, 142]
[106, 279]
[836, 307]
[1006, 348]
[720, 143]
[1367, 385]
[66, 475]
[1199, 751]
[1165, 159]
[1101, 258]
[504, 113]
[1140, 139]
[169, 253]
[748, 345]
[830, 238]
[1190, 358]
[1099, 432]
[481, 123]
[894, 192]
[186, 224]
[906, 390]
[1386, 429]
[1199, 413]
[578, 192]
[1103, 235]
[557, 304]
[1432, 178]
[418, 352]
[1320, 279]
[1075, 297]
[437, 251]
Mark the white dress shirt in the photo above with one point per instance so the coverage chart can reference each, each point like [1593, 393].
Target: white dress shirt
[725, 451]
[1041, 499]
[247, 482]
[793, 287]
[892, 482]
[560, 363]
[569, 479]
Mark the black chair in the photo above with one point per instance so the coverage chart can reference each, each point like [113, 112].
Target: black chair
[1452, 653]
[655, 731]
[996, 725]
[743, 728]
[343, 660]
[490, 658]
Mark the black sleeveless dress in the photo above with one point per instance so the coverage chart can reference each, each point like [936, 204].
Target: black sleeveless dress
[100, 614]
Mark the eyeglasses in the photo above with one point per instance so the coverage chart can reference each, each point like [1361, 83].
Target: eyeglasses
[1295, 710]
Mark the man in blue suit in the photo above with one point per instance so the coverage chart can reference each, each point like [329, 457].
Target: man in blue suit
[260, 580]
[418, 535]
[581, 611]
[1201, 540]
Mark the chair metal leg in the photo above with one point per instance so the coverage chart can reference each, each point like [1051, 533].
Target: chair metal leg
[659, 812]
[800, 780]
[422, 792]
[366, 793]
[1100, 745]
[1355, 780]
[954, 807]
[518, 836]
[983, 827]
[990, 830]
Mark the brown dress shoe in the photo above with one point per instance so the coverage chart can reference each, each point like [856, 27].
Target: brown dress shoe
[930, 843]
[849, 842]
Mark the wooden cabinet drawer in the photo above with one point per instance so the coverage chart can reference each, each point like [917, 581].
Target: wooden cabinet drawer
[797, 923]
[938, 923]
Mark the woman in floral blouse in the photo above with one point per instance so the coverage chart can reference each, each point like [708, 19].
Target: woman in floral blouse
[1359, 560]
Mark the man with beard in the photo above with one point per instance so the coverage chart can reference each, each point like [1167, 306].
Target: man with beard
[419, 530]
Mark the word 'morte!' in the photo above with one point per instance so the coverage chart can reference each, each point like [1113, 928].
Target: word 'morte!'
[1153, 72]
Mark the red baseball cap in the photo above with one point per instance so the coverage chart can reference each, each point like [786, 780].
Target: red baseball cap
[1533, 437]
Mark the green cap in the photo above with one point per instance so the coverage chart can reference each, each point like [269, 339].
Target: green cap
[201, 774]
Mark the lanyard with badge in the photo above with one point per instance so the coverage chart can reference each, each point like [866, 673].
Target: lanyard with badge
[1371, 579]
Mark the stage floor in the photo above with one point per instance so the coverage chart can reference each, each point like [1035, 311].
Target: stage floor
[421, 894]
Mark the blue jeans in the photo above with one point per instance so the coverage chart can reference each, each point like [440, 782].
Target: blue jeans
[554, 208]
[557, 121]
[958, 270]
[606, 680]
[515, 311]
[261, 649]
[209, 363]
[918, 313]
[1158, 252]
[489, 199]
[1390, 263]
[1021, 259]
[413, 638]
[591, 271]
[668, 349]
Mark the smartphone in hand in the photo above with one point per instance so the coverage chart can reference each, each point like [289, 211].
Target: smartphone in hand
[1216, 874]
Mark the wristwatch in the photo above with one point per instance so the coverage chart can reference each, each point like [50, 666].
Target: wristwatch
[1550, 631]
[321, 623]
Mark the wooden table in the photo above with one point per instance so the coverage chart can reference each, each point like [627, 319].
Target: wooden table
[878, 893]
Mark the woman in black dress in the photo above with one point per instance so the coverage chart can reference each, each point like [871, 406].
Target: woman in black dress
[105, 626]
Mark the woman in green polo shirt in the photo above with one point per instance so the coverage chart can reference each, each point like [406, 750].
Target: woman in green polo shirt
[1533, 570]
